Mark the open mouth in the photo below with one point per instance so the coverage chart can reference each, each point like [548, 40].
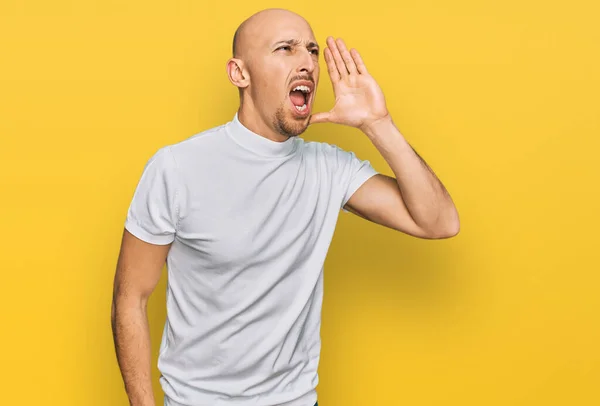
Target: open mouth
[300, 96]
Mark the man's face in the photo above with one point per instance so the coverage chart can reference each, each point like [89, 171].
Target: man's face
[284, 73]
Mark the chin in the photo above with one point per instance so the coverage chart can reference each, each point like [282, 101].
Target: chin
[290, 124]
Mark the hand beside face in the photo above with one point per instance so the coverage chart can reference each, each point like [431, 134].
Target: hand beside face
[277, 71]
[359, 101]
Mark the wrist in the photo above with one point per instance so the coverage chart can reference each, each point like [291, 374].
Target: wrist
[378, 126]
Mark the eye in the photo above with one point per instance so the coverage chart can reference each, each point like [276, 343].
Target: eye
[314, 51]
[286, 47]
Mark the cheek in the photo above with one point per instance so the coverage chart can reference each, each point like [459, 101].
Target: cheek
[263, 91]
[273, 87]
[269, 83]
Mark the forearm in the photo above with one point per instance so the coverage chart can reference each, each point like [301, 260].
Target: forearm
[425, 197]
[131, 335]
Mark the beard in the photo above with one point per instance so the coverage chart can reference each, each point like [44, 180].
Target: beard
[288, 126]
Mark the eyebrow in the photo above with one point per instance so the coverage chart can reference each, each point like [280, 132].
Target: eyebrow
[309, 44]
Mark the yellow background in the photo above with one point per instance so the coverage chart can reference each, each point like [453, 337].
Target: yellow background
[500, 98]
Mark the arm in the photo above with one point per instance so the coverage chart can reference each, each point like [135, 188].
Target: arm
[138, 271]
[415, 201]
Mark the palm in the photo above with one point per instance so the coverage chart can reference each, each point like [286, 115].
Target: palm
[357, 101]
[358, 98]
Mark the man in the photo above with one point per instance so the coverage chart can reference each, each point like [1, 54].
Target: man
[244, 214]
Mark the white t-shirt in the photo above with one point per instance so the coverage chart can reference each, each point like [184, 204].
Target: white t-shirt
[251, 221]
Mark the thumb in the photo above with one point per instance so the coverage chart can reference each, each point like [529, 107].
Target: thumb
[319, 118]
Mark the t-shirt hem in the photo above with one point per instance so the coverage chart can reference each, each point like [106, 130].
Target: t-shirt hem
[308, 399]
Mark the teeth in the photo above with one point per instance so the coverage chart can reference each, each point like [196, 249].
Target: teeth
[303, 89]
[301, 108]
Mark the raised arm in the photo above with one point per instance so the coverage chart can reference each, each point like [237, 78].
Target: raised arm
[138, 271]
[415, 202]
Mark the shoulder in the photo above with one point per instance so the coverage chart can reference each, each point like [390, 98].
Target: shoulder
[169, 158]
[196, 144]
[323, 148]
[329, 152]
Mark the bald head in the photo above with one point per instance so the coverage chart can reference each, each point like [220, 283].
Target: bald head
[274, 54]
[256, 23]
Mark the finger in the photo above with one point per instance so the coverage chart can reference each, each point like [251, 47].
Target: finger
[339, 62]
[360, 65]
[331, 68]
[319, 118]
[348, 60]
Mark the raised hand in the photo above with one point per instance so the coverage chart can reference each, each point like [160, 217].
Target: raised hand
[359, 100]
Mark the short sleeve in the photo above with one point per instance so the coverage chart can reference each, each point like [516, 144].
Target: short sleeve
[352, 173]
[154, 209]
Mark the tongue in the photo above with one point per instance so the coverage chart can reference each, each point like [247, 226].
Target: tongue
[297, 98]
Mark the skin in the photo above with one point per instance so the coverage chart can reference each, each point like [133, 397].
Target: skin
[414, 202]
[263, 70]
[139, 268]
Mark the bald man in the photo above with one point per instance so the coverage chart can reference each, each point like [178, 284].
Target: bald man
[244, 214]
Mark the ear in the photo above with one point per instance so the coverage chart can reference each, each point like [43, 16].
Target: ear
[237, 73]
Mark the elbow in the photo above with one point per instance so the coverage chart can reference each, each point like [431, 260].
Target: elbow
[443, 233]
[447, 229]
[452, 229]
[452, 224]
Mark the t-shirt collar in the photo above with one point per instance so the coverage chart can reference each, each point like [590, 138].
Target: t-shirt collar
[257, 143]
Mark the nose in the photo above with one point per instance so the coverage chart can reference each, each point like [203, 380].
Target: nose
[307, 62]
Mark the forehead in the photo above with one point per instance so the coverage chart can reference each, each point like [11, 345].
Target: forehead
[285, 29]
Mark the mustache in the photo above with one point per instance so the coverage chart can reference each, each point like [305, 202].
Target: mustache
[309, 78]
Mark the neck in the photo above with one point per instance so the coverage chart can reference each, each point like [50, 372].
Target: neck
[253, 120]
